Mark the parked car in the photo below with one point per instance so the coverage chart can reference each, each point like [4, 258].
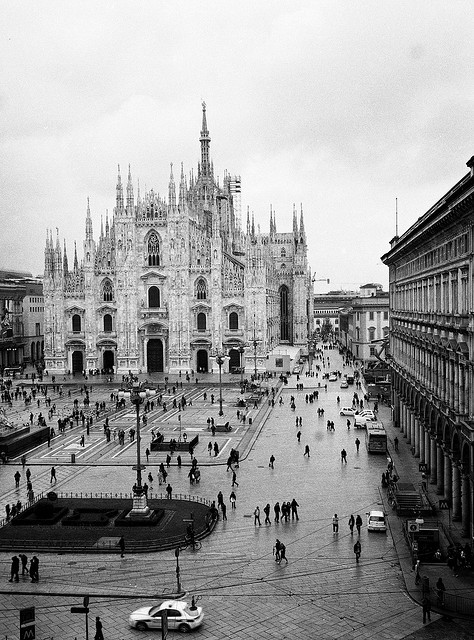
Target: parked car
[344, 384]
[332, 377]
[361, 421]
[181, 616]
[376, 521]
[347, 411]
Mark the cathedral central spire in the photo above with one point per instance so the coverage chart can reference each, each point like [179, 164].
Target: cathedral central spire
[205, 142]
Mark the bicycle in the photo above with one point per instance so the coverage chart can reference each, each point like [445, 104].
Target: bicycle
[194, 544]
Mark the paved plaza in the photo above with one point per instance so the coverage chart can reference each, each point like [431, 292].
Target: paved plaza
[320, 593]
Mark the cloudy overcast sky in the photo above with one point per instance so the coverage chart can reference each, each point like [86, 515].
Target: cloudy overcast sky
[342, 106]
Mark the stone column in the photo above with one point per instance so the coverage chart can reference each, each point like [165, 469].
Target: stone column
[408, 434]
[456, 490]
[422, 441]
[427, 460]
[456, 389]
[440, 470]
[433, 461]
[466, 511]
[448, 477]
[416, 427]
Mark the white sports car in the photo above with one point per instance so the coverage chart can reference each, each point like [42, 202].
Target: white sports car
[181, 616]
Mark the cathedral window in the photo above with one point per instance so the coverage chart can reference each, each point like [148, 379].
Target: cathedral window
[371, 334]
[107, 291]
[201, 290]
[283, 252]
[233, 321]
[153, 248]
[201, 321]
[76, 323]
[107, 323]
[154, 297]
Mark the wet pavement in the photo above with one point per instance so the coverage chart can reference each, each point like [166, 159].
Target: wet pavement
[321, 593]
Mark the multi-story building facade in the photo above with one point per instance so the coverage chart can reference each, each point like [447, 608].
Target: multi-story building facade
[21, 319]
[33, 321]
[431, 343]
[364, 323]
[172, 281]
[326, 309]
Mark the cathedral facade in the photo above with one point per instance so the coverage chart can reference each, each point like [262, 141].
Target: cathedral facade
[173, 282]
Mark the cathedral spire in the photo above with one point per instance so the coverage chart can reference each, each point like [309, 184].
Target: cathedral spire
[295, 223]
[88, 222]
[302, 231]
[76, 267]
[182, 188]
[271, 221]
[248, 220]
[129, 193]
[205, 141]
[65, 263]
[101, 226]
[106, 223]
[171, 189]
[253, 226]
[119, 196]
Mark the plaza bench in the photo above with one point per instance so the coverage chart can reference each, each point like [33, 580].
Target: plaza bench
[162, 445]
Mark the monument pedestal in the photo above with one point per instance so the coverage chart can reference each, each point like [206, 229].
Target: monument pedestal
[140, 509]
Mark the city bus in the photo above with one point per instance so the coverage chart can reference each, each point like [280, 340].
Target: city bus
[375, 437]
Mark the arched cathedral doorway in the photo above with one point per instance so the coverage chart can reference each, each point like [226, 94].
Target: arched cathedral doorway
[234, 360]
[77, 362]
[202, 361]
[284, 314]
[154, 355]
[108, 361]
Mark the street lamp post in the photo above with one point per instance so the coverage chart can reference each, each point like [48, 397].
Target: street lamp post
[255, 343]
[220, 362]
[241, 351]
[137, 394]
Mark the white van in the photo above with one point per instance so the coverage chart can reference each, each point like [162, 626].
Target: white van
[376, 521]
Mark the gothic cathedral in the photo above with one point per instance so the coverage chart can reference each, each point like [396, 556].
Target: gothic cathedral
[171, 283]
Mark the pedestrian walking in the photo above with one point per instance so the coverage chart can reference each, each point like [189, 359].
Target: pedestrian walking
[28, 475]
[121, 544]
[357, 444]
[358, 524]
[147, 453]
[440, 589]
[272, 460]
[351, 524]
[395, 442]
[234, 478]
[348, 423]
[15, 568]
[294, 509]
[168, 460]
[344, 456]
[98, 629]
[277, 510]
[24, 564]
[426, 604]
[266, 511]
[335, 523]
[82, 441]
[34, 569]
[53, 475]
[224, 511]
[17, 477]
[279, 551]
[169, 491]
[256, 516]
[216, 449]
[209, 448]
[306, 451]
[232, 499]
[298, 435]
[178, 460]
[357, 550]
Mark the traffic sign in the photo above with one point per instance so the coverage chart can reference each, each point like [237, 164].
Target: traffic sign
[79, 609]
[423, 467]
[27, 624]
[413, 526]
[445, 504]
